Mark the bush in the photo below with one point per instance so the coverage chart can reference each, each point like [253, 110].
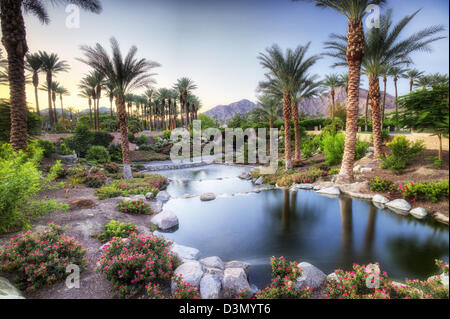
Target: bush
[131, 263]
[115, 151]
[111, 167]
[95, 179]
[378, 184]
[141, 140]
[333, 147]
[430, 191]
[131, 138]
[133, 186]
[98, 153]
[361, 149]
[402, 152]
[101, 138]
[115, 229]
[184, 290]
[81, 141]
[166, 134]
[39, 259]
[47, 146]
[134, 207]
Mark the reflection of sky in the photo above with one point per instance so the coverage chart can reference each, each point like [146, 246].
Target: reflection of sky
[214, 42]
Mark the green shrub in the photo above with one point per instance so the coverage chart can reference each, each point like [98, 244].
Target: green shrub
[95, 178]
[107, 191]
[378, 184]
[133, 263]
[98, 153]
[184, 290]
[115, 151]
[81, 141]
[134, 207]
[166, 134]
[430, 191]
[101, 138]
[115, 229]
[47, 146]
[131, 137]
[111, 167]
[40, 259]
[133, 186]
[333, 147]
[402, 152]
[360, 149]
[141, 140]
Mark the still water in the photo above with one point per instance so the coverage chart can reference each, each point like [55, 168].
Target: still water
[329, 233]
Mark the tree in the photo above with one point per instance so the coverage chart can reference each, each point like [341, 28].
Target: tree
[14, 41]
[412, 75]
[430, 80]
[427, 110]
[62, 91]
[354, 11]
[34, 65]
[183, 87]
[333, 81]
[126, 74]
[270, 107]
[109, 86]
[148, 95]
[87, 91]
[396, 73]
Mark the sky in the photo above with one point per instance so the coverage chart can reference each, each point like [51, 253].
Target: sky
[214, 42]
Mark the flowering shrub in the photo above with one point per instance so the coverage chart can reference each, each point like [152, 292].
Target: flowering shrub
[131, 263]
[402, 152]
[154, 291]
[431, 191]
[184, 289]
[135, 207]
[378, 184]
[111, 167]
[95, 179]
[115, 229]
[286, 179]
[133, 186]
[40, 259]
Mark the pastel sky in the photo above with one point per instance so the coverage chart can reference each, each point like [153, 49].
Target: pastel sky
[215, 43]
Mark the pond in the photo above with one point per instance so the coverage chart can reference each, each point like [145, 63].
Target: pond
[329, 233]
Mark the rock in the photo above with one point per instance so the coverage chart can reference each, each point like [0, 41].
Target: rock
[234, 281]
[66, 159]
[259, 181]
[245, 176]
[212, 262]
[360, 195]
[238, 264]
[399, 206]
[366, 169]
[165, 220]
[81, 204]
[317, 188]
[311, 277]
[380, 199]
[441, 218]
[332, 277]
[149, 196]
[304, 186]
[370, 149]
[210, 286]
[189, 196]
[444, 279]
[330, 191]
[207, 197]
[163, 196]
[185, 253]
[138, 197]
[214, 271]
[191, 272]
[157, 206]
[419, 212]
[8, 290]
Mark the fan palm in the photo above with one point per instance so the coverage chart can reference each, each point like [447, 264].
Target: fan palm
[333, 81]
[33, 65]
[428, 81]
[164, 95]
[126, 73]
[412, 75]
[51, 65]
[14, 41]
[354, 11]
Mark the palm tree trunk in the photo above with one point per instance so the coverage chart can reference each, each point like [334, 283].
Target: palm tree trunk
[374, 94]
[366, 112]
[296, 130]
[440, 146]
[111, 107]
[411, 82]
[36, 95]
[271, 122]
[62, 111]
[355, 53]
[333, 105]
[396, 105]
[287, 105]
[90, 113]
[49, 95]
[98, 114]
[122, 116]
[384, 101]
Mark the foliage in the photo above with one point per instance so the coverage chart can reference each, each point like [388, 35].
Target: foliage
[134, 207]
[95, 178]
[333, 147]
[115, 229]
[378, 184]
[430, 191]
[133, 186]
[142, 139]
[39, 259]
[154, 291]
[130, 263]
[98, 153]
[287, 178]
[33, 122]
[402, 152]
[184, 290]
[166, 134]
[101, 138]
[111, 167]
[131, 137]
[81, 141]
[207, 121]
[47, 146]
[115, 151]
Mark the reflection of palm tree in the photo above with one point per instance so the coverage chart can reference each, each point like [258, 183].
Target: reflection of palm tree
[286, 212]
[347, 230]
[370, 230]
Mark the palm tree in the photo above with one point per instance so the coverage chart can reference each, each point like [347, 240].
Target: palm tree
[428, 81]
[34, 64]
[333, 81]
[184, 86]
[62, 91]
[51, 64]
[354, 11]
[87, 87]
[396, 72]
[164, 95]
[53, 88]
[126, 74]
[270, 107]
[194, 105]
[148, 95]
[412, 75]
[14, 41]
[86, 92]
[110, 90]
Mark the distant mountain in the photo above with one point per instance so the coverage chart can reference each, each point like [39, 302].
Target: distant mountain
[314, 106]
[102, 110]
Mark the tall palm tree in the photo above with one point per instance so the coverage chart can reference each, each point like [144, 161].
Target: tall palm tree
[384, 72]
[396, 72]
[184, 86]
[51, 65]
[270, 107]
[86, 92]
[194, 105]
[412, 75]
[53, 89]
[33, 65]
[87, 87]
[126, 74]
[164, 95]
[430, 80]
[15, 43]
[148, 95]
[110, 89]
[333, 81]
[61, 91]
[354, 11]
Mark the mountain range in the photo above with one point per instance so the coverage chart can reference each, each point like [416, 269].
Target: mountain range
[315, 107]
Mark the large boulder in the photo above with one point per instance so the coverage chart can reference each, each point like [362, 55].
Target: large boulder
[331, 191]
[213, 262]
[163, 196]
[234, 281]
[380, 199]
[165, 220]
[304, 186]
[207, 197]
[149, 196]
[8, 290]
[245, 176]
[210, 286]
[238, 264]
[441, 218]
[138, 197]
[156, 206]
[418, 212]
[259, 181]
[185, 253]
[399, 206]
[311, 277]
[191, 272]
